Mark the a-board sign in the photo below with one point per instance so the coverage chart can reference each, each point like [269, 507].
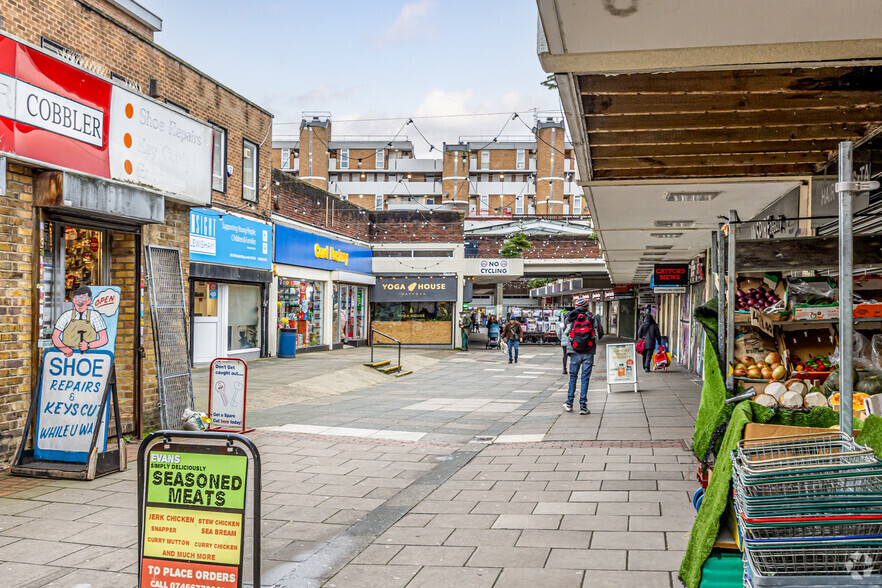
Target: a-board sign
[228, 385]
[194, 516]
[621, 364]
[74, 377]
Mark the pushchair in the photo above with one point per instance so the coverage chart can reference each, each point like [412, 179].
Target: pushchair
[661, 359]
[493, 336]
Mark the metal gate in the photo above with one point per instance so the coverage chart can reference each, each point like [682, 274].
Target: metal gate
[168, 309]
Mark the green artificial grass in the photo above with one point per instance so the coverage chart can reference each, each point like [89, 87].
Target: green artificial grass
[871, 434]
[712, 412]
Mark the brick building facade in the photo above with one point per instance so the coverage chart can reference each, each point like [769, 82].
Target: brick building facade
[112, 46]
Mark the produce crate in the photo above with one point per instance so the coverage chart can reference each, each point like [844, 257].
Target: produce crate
[816, 313]
[868, 310]
[805, 343]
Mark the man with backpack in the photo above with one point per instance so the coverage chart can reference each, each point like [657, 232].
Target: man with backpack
[584, 330]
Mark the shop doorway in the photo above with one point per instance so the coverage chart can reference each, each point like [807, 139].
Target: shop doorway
[226, 320]
[350, 313]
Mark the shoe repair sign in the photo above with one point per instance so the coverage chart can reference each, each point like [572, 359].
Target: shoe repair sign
[74, 377]
[194, 516]
[228, 383]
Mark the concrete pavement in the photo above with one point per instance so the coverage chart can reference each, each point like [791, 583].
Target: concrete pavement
[466, 473]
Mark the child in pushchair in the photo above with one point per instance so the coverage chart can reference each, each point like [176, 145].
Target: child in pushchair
[493, 335]
[660, 359]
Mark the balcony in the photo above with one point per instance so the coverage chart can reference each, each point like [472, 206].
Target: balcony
[403, 188]
[414, 165]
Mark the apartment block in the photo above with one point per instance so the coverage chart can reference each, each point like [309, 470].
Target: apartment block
[486, 177]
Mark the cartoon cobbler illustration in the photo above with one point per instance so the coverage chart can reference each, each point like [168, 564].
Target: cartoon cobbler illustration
[80, 328]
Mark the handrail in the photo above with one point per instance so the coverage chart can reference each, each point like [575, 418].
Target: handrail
[373, 330]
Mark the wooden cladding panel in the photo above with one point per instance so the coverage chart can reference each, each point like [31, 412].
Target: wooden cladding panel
[726, 123]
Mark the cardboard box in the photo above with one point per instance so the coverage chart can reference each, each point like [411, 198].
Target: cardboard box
[868, 310]
[769, 282]
[815, 313]
[764, 431]
[806, 343]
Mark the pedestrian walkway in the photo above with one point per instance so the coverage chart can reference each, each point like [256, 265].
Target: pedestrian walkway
[467, 473]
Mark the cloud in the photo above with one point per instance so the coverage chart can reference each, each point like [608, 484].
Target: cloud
[410, 24]
[326, 93]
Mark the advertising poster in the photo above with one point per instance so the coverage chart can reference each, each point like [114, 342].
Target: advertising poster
[75, 375]
[228, 382]
[194, 517]
[621, 363]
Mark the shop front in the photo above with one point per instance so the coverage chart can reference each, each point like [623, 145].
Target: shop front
[417, 310]
[230, 275]
[669, 283]
[611, 312]
[321, 288]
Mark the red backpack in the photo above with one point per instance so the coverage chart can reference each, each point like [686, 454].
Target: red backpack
[583, 334]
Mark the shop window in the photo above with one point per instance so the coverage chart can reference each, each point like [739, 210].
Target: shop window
[349, 312]
[243, 317]
[411, 311]
[219, 160]
[249, 171]
[71, 257]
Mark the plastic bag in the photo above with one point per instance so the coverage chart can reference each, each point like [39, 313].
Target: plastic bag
[861, 354]
[812, 291]
[876, 352]
[195, 421]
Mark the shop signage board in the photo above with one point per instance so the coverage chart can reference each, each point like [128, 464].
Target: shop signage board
[669, 274]
[74, 377]
[75, 392]
[56, 112]
[429, 288]
[227, 389]
[193, 516]
[228, 239]
[669, 290]
[294, 247]
[621, 365]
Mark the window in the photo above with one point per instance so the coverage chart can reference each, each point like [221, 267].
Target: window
[519, 204]
[485, 202]
[485, 160]
[380, 158]
[378, 202]
[566, 209]
[286, 159]
[219, 160]
[412, 311]
[249, 171]
[344, 159]
[522, 159]
[577, 204]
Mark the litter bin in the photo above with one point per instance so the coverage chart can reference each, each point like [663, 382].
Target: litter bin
[287, 343]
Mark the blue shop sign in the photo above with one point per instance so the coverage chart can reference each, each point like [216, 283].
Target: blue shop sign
[229, 240]
[304, 249]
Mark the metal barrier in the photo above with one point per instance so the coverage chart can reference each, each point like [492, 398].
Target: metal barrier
[373, 330]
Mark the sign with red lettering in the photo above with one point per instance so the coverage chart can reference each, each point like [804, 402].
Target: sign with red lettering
[194, 516]
[670, 275]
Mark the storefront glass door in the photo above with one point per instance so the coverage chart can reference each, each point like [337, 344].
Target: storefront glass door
[243, 318]
[206, 322]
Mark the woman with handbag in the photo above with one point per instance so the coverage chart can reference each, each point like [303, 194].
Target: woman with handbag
[647, 336]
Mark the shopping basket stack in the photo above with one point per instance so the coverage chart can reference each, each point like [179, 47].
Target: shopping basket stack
[809, 510]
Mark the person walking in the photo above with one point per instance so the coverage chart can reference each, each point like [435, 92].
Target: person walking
[465, 324]
[513, 333]
[583, 330]
[474, 318]
[649, 335]
[561, 330]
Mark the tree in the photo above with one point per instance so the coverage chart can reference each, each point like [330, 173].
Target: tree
[515, 245]
[549, 82]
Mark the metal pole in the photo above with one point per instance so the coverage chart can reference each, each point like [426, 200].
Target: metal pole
[721, 297]
[730, 306]
[846, 303]
[713, 263]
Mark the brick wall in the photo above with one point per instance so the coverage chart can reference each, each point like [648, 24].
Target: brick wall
[122, 274]
[88, 28]
[17, 352]
[544, 246]
[393, 226]
[306, 203]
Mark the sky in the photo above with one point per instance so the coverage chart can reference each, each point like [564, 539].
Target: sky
[369, 60]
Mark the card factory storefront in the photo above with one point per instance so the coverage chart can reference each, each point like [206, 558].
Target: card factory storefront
[321, 289]
[417, 310]
[230, 275]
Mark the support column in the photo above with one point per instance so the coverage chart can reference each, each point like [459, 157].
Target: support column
[498, 300]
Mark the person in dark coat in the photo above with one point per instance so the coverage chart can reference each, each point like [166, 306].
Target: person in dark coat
[651, 335]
